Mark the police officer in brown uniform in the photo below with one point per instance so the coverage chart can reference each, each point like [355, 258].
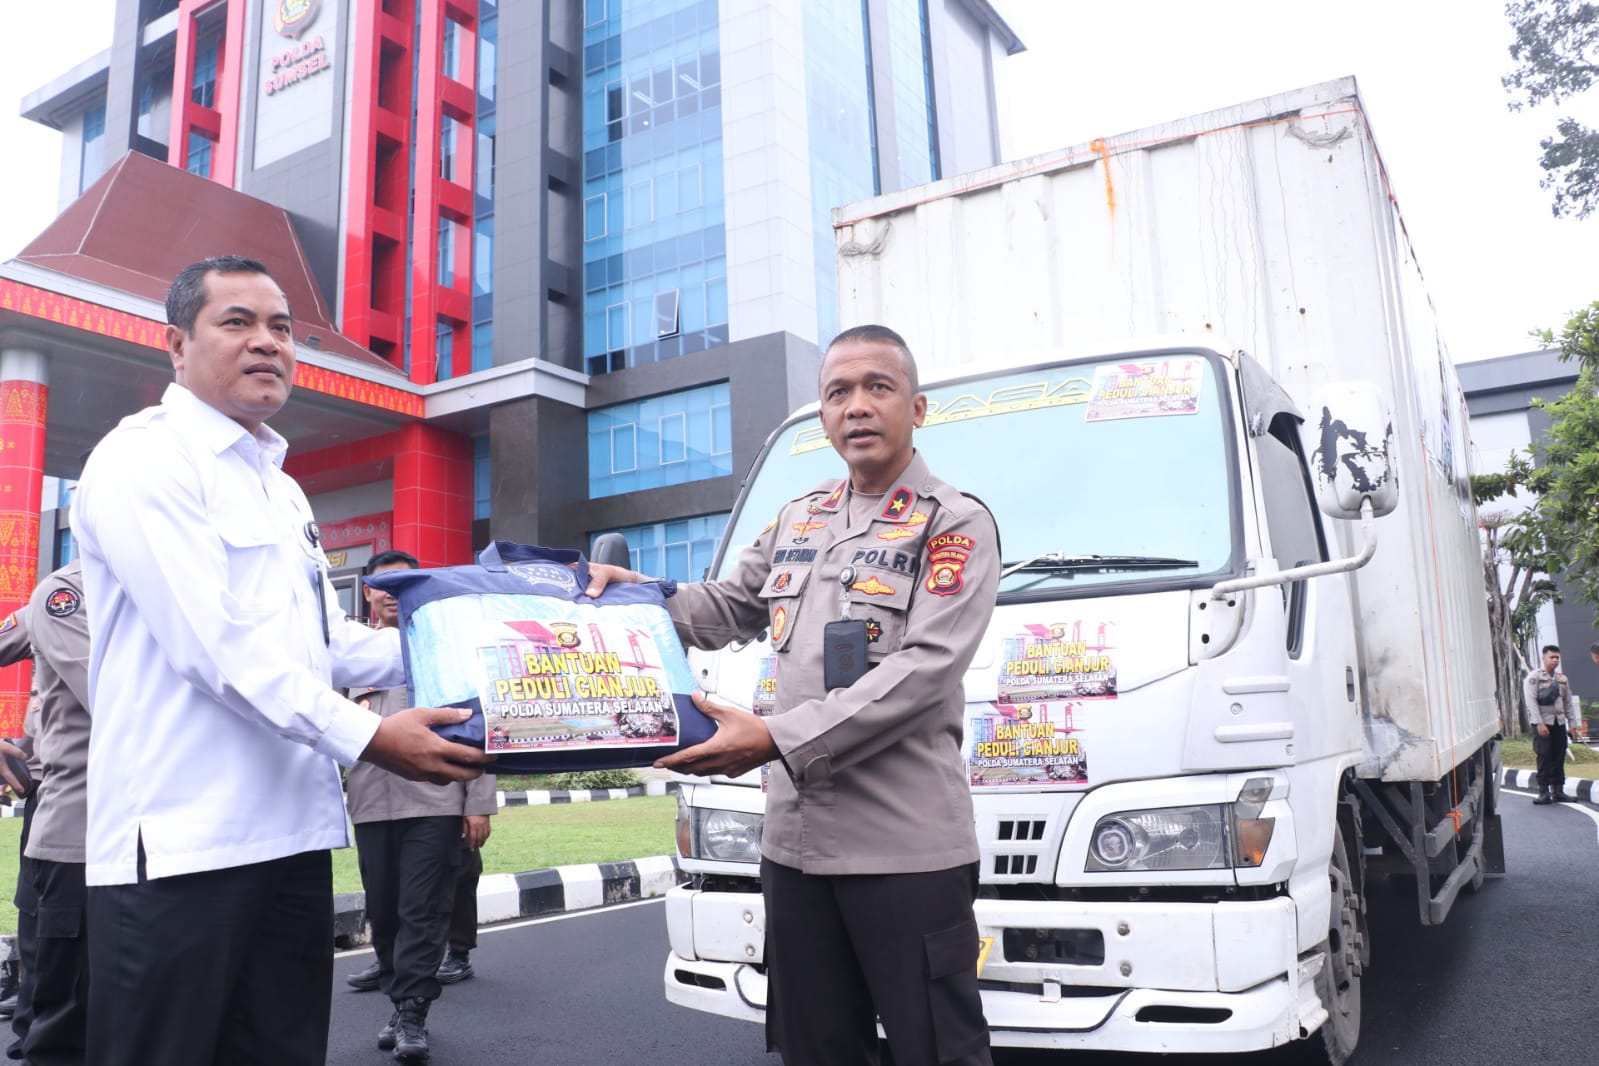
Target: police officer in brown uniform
[15, 647]
[869, 865]
[410, 838]
[59, 629]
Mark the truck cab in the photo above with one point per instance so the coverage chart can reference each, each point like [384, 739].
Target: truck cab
[1166, 721]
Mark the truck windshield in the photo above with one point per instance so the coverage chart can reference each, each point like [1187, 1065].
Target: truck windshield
[1096, 472]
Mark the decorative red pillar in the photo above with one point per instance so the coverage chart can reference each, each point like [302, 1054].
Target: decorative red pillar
[24, 398]
[433, 495]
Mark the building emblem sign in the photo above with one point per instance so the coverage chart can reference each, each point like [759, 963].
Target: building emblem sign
[294, 17]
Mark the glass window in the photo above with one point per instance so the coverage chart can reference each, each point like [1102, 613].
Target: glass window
[593, 12]
[482, 493]
[1179, 454]
[487, 58]
[616, 326]
[681, 549]
[677, 437]
[199, 154]
[91, 157]
[673, 429]
[688, 188]
[483, 256]
[443, 351]
[594, 211]
[447, 149]
[624, 448]
[446, 275]
[641, 203]
[483, 345]
[666, 314]
[203, 90]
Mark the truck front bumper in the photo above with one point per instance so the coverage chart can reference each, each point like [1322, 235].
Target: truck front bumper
[1194, 977]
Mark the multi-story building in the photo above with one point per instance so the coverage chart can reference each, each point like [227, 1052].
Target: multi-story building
[558, 268]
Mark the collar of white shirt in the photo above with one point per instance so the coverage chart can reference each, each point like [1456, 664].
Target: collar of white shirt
[217, 430]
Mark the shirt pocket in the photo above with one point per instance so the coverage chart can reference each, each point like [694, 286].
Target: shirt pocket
[782, 595]
[881, 598]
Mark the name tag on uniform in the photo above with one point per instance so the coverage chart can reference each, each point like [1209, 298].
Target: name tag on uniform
[843, 653]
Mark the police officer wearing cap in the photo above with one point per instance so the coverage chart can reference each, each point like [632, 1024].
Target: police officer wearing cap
[876, 591]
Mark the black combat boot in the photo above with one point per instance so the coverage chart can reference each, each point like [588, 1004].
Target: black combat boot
[456, 967]
[387, 1033]
[368, 979]
[1543, 796]
[411, 1030]
[1558, 793]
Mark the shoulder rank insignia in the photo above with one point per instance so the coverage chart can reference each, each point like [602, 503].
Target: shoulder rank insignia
[898, 505]
[10, 623]
[831, 503]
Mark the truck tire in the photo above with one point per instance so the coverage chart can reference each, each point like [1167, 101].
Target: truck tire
[1338, 984]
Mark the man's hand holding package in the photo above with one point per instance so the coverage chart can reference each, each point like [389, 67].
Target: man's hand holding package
[405, 744]
[742, 742]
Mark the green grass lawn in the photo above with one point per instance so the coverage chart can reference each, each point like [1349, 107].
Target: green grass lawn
[523, 838]
[1517, 754]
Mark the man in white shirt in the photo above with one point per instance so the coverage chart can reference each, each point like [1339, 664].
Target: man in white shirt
[216, 638]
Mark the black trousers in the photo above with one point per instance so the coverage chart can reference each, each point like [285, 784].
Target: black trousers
[1551, 753]
[27, 904]
[408, 868]
[226, 967]
[844, 951]
[61, 981]
[463, 916]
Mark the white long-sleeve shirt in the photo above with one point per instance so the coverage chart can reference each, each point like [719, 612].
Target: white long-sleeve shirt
[216, 729]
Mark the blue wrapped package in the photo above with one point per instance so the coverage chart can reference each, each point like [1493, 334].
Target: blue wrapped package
[556, 681]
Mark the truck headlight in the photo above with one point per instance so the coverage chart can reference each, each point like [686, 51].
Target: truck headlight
[1167, 838]
[1209, 837]
[719, 836]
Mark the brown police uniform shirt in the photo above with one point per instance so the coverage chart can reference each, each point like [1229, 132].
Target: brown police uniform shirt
[376, 795]
[15, 647]
[59, 626]
[872, 778]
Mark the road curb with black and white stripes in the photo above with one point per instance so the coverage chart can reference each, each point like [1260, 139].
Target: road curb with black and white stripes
[585, 795]
[1577, 788]
[536, 893]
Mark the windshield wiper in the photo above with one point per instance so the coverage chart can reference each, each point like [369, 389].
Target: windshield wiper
[1056, 562]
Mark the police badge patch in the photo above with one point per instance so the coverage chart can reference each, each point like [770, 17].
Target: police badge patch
[946, 563]
[62, 602]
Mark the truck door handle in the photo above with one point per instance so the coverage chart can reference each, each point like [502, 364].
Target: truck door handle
[1349, 682]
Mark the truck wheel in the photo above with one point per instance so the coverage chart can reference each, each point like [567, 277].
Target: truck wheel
[1338, 984]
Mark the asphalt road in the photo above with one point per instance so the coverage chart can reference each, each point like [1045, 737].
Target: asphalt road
[1505, 981]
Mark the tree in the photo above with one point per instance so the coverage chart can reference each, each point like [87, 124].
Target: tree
[1516, 566]
[1556, 52]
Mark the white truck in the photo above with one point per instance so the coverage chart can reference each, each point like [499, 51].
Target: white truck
[1209, 715]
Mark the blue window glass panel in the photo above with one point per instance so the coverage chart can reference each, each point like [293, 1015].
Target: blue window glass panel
[66, 548]
[488, 47]
[716, 301]
[199, 155]
[481, 493]
[91, 156]
[594, 217]
[624, 448]
[677, 439]
[446, 252]
[447, 148]
[482, 346]
[203, 89]
[452, 49]
[680, 549]
[483, 256]
[444, 352]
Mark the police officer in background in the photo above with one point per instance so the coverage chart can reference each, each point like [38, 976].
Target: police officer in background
[59, 629]
[1556, 717]
[15, 647]
[869, 866]
[411, 838]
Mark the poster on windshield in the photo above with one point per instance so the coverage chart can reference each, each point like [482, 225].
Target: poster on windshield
[546, 684]
[1024, 744]
[1056, 661]
[1145, 390]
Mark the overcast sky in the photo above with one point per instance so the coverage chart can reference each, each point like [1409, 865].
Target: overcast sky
[1464, 167]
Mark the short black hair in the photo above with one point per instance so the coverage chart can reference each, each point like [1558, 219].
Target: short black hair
[873, 333]
[1547, 648]
[1593, 649]
[187, 294]
[389, 558]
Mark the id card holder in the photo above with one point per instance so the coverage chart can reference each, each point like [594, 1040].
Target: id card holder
[843, 653]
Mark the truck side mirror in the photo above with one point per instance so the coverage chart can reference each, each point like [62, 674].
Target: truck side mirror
[611, 548]
[1353, 458]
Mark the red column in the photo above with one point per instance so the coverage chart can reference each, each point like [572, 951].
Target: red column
[24, 398]
[433, 495]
